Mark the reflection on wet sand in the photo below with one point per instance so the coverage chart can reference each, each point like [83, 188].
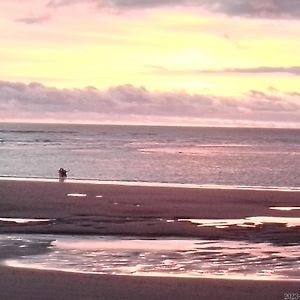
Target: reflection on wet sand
[23, 221]
[285, 208]
[76, 195]
[246, 222]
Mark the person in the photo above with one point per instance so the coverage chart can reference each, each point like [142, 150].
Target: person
[62, 173]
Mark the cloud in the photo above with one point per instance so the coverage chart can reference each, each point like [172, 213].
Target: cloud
[244, 8]
[127, 104]
[258, 8]
[293, 70]
[34, 20]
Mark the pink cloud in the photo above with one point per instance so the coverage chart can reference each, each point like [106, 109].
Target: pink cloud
[125, 104]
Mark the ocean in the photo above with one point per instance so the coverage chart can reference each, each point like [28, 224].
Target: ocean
[217, 157]
[245, 157]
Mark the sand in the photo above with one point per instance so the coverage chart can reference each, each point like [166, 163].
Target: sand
[26, 284]
[140, 211]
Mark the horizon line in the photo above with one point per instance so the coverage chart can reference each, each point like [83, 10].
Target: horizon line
[258, 126]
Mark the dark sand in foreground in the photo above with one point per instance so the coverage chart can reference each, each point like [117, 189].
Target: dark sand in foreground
[141, 211]
[26, 284]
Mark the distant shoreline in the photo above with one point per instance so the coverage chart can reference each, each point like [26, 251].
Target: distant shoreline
[152, 184]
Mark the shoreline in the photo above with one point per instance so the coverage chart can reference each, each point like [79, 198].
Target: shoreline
[33, 251]
[4, 264]
[152, 184]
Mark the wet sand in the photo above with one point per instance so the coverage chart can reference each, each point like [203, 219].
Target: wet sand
[26, 284]
[139, 211]
[143, 211]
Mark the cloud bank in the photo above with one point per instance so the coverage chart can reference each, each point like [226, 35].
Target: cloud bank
[129, 104]
[294, 70]
[243, 8]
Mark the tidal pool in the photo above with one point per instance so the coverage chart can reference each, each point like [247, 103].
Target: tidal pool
[153, 257]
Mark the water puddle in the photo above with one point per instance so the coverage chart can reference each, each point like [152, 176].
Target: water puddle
[285, 208]
[246, 222]
[23, 221]
[159, 257]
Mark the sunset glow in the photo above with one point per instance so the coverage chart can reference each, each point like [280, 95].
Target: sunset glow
[196, 47]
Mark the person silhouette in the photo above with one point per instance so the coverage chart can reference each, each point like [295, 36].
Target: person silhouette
[62, 174]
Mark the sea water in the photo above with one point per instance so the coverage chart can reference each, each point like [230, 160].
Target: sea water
[238, 157]
[190, 155]
[153, 257]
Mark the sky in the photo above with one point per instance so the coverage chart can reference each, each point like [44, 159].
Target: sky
[175, 62]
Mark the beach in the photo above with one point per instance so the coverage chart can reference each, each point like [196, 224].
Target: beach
[143, 211]
[112, 209]
[24, 284]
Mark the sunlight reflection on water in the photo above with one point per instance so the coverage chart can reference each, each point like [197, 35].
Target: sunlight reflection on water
[166, 257]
